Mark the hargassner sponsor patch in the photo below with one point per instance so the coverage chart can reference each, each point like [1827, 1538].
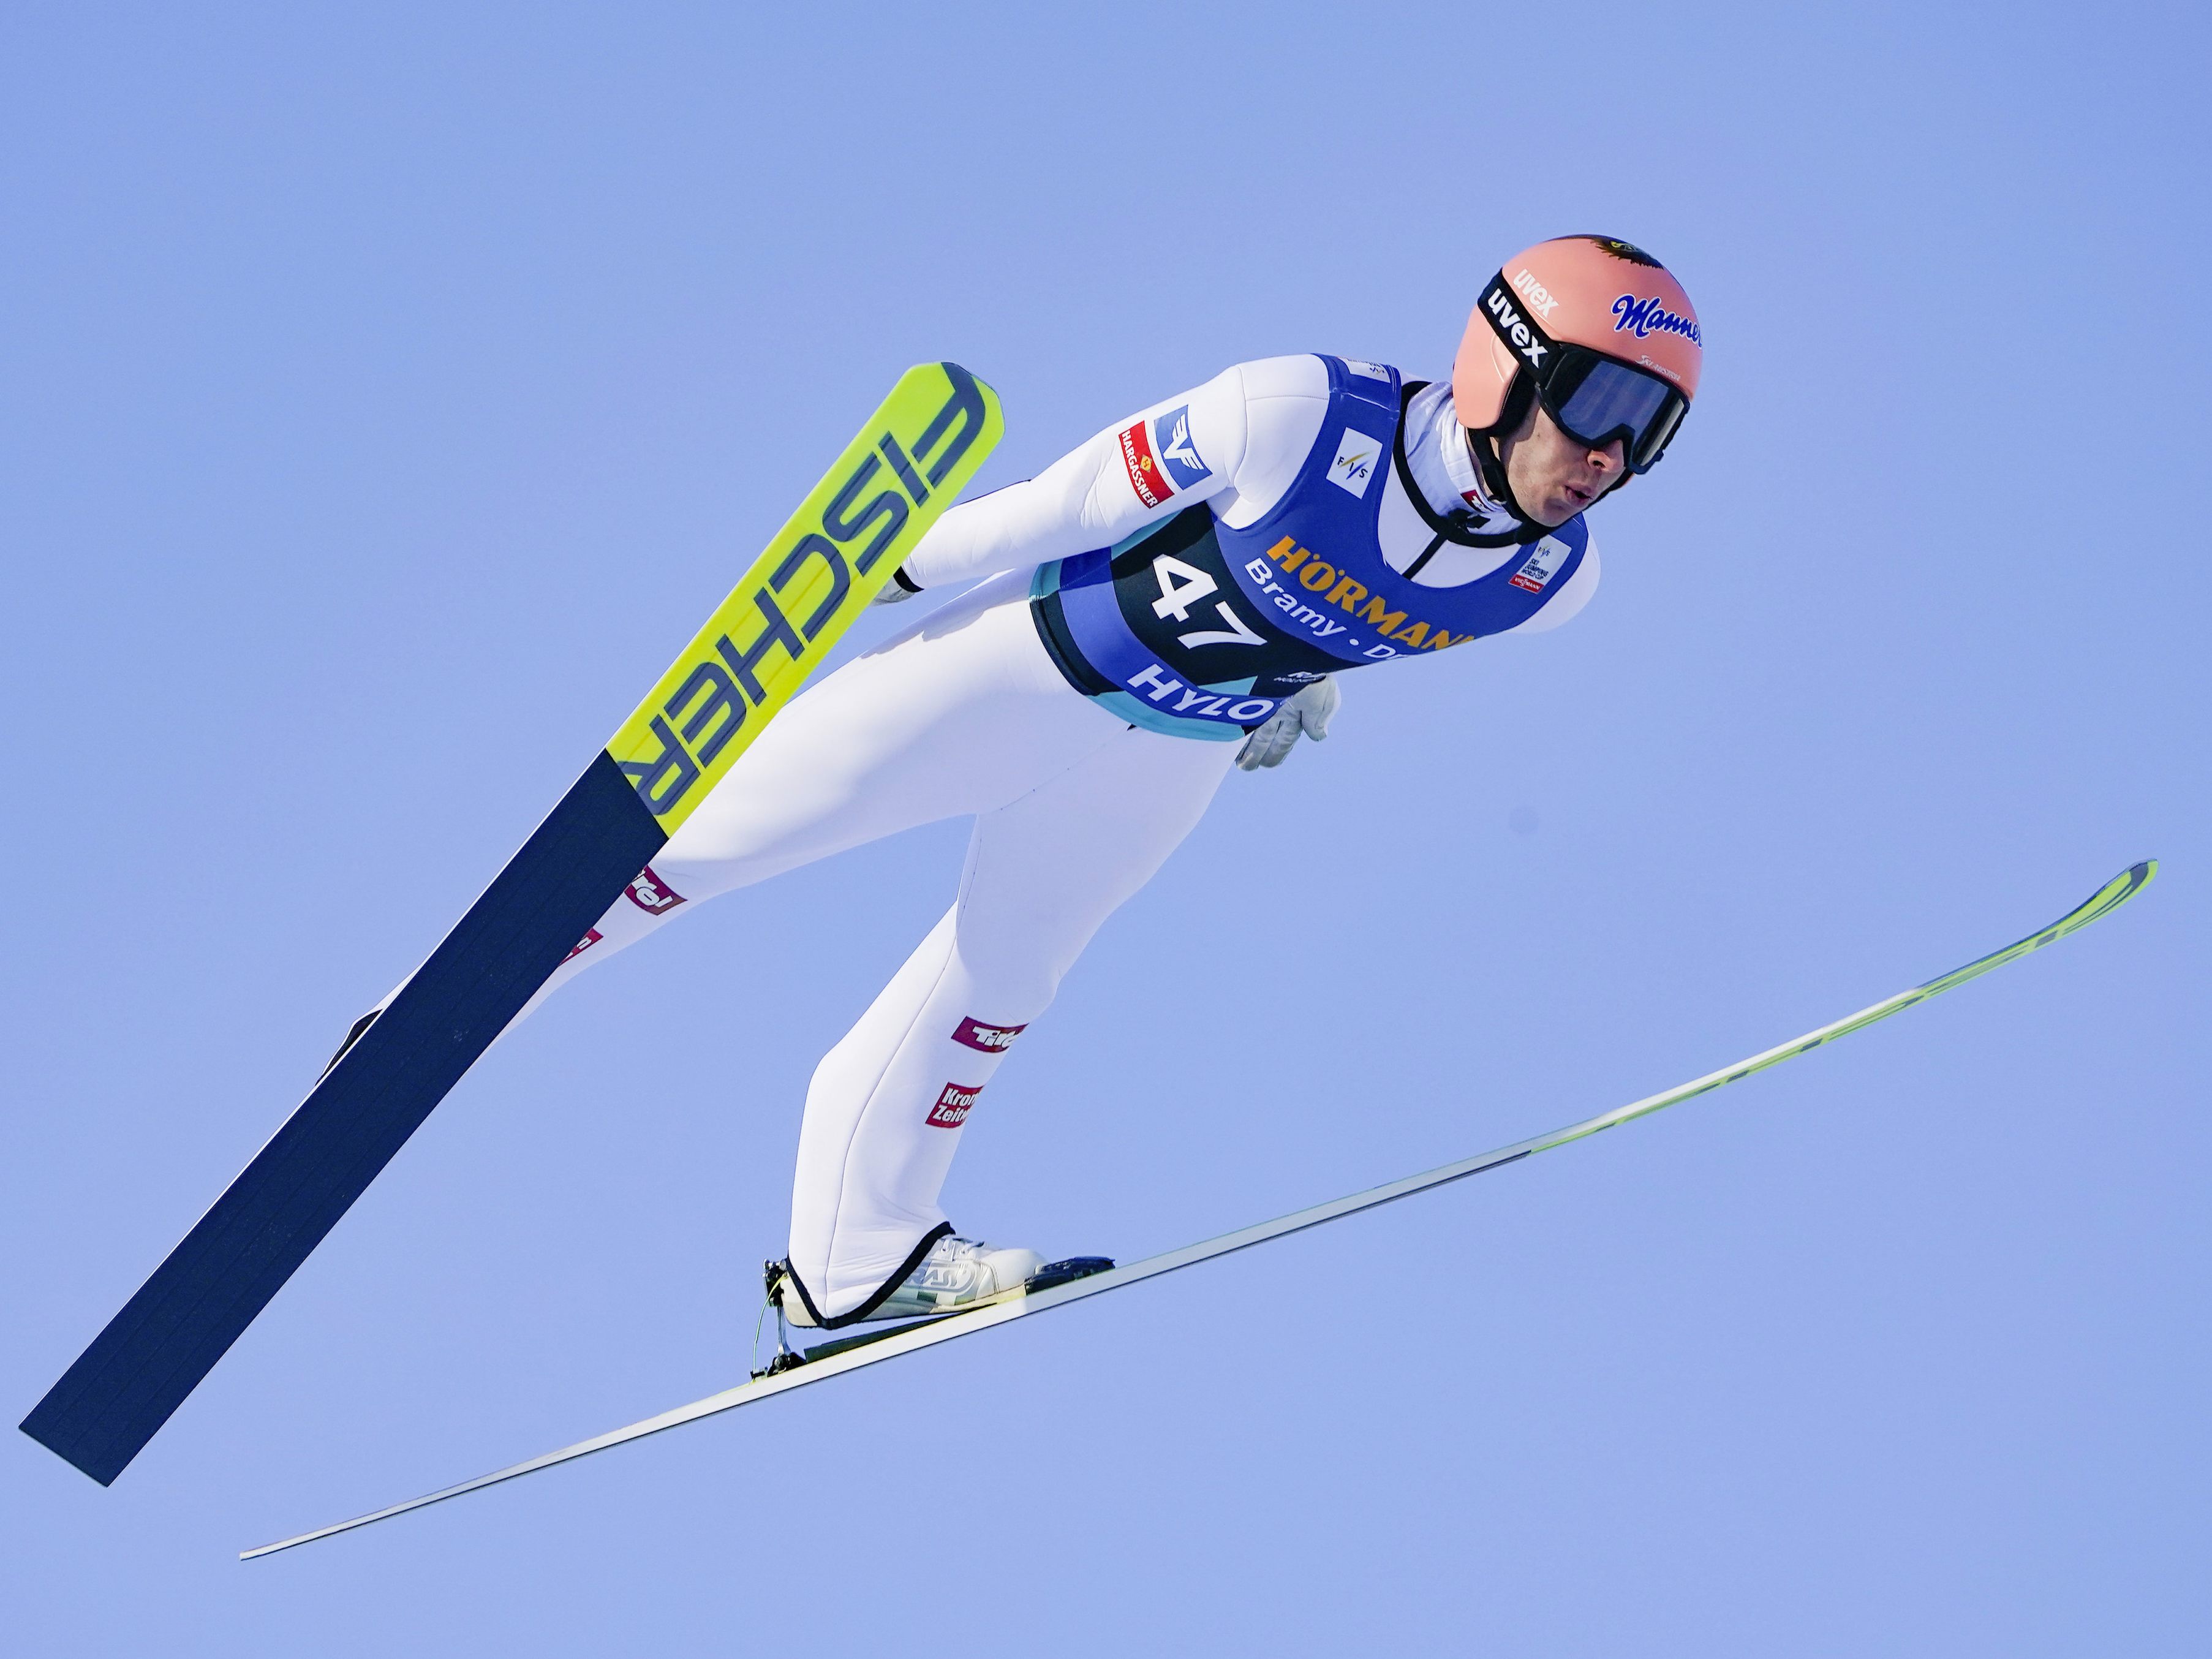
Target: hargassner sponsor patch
[1171, 439]
[1542, 564]
[1357, 455]
[987, 1039]
[651, 895]
[1145, 477]
[953, 1105]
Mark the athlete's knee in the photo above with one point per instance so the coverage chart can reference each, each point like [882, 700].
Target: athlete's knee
[1009, 987]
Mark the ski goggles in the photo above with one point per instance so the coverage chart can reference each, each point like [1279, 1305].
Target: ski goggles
[1594, 398]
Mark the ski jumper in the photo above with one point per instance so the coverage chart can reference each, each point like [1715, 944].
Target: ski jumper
[1154, 593]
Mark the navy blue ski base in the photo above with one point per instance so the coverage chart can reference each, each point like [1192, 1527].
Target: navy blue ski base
[377, 1093]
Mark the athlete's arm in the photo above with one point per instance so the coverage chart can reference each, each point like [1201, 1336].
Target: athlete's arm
[1137, 471]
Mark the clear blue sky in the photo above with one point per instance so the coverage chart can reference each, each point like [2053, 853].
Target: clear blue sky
[387, 393]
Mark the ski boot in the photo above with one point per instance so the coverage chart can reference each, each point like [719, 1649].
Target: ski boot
[957, 1273]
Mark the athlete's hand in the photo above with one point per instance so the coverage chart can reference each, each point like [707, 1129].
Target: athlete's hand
[1310, 712]
[894, 592]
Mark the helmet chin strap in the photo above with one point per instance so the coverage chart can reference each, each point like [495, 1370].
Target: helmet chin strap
[1483, 448]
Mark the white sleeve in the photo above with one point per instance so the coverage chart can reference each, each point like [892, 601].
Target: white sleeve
[1136, 473]
[1569, 599]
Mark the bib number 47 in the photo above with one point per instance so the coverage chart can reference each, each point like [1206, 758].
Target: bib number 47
[1181, 587]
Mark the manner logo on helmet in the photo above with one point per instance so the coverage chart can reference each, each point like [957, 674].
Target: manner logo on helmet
[1172, 438]
[1146, 477]
[953, 1105]
[651, 895]
[1542, 564]
[990, 1039]
[1515, 329]
[1642, 316]
[1356, 456]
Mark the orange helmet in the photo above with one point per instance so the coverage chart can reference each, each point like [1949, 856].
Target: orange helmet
[1598, 330]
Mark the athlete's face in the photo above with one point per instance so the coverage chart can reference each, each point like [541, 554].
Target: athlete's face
[1555, 475]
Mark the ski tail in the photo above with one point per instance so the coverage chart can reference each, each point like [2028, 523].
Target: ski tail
[919, 448]
[199, 1301]
[835, 1358]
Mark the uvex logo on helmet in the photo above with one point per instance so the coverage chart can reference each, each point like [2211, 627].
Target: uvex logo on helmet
[1542, 299]
[1515, 328]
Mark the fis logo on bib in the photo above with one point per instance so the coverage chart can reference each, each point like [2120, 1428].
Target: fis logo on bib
[651, 895]
[1542, 564]
[1356, 457]
[987, 1039]
[1172, 438]
[953, 1105]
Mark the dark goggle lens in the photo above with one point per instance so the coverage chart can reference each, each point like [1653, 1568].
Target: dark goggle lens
[1595, 400]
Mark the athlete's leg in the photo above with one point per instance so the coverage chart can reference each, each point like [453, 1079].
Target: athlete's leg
[959, 714]
[885, 1112]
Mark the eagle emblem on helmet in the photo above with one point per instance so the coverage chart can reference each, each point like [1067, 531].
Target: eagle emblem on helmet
[1628, 251]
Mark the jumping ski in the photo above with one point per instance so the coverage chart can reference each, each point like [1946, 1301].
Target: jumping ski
[919, 449]
[1073, 1281]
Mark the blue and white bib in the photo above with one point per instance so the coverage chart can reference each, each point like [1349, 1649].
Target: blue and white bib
[1199, 630]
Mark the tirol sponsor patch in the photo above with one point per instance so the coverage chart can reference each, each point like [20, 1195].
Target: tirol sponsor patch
[651, 895]
[592, 937]
[1356, 456]
[953, 1105]
[1146, 477]
[990, 1039]
[1542, 564]
[1172, 438]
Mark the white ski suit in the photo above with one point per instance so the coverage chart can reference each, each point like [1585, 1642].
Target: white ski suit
[964, 713]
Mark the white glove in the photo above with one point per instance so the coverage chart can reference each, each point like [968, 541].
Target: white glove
[895, 591]
[1310, 712]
